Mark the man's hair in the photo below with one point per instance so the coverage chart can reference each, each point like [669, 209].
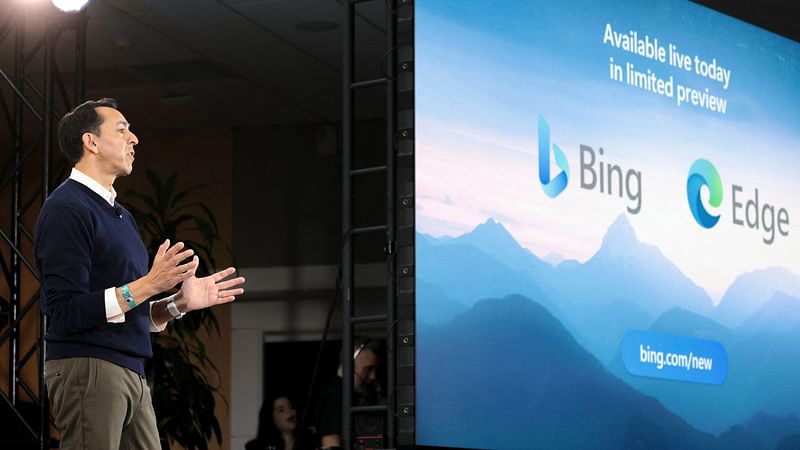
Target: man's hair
[82, 119]
[360, 344]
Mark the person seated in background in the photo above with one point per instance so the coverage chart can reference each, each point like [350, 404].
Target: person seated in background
[366, 392]
[277, 427]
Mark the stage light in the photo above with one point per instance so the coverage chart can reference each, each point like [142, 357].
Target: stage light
[70, 5]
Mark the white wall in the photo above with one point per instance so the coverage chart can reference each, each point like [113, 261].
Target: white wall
[263, 316]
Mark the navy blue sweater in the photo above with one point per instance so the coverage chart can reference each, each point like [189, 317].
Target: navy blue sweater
[83, 247]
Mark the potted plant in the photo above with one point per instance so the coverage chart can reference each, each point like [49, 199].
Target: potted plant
[183, 396]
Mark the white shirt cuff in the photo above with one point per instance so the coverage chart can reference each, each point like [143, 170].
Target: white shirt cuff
[153, 327]
[113, 311]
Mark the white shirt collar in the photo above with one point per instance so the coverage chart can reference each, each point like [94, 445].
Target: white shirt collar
[86, 180]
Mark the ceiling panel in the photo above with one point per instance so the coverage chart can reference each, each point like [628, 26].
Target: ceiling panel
[203, 63]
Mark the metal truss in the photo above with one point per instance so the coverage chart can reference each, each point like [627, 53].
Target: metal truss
[33, 96]
[398, 227]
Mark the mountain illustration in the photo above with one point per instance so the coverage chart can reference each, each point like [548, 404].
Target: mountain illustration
[686, 323]
[507, 365]
[771, 430]
[790, 442]
[494, 239]
[779, 315]
[599, 328]
[568, 265]
[739, 436]
[761, 378]
[764, 373]
[751, 291]
[436, 307]
[764, 432]
[423, 240]
[625, 269]
[465, 273]
[428, 240]
[626, 284]
[554, 259]
[698, 404]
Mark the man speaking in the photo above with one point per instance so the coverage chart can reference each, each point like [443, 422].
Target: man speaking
[98, 293]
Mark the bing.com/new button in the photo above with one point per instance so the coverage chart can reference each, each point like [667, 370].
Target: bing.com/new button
[681, 358]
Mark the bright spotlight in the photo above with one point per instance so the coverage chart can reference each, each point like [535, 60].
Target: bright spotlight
[70, 5]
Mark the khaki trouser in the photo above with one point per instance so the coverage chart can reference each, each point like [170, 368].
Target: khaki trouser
[100, 405]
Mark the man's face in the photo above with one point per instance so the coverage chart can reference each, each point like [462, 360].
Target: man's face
[115, 143]
[366, 365]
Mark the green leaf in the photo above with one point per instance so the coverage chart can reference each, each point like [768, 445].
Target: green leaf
[183, 396]
[182, 194]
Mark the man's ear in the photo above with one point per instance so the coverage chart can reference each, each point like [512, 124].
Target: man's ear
[89, 144]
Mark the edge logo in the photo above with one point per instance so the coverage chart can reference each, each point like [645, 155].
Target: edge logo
[703, 173]
[754, 213]
[557, 185]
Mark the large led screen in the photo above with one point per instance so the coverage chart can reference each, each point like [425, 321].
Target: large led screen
[607, 250]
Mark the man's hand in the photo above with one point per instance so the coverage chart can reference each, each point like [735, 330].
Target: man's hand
[198, 293]
[165, 273]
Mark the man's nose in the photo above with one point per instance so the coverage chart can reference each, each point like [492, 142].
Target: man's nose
[134, 140]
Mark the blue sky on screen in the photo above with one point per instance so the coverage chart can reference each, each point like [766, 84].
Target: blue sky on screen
[481, 86]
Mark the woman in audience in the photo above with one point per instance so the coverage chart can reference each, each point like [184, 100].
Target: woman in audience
[277, 427]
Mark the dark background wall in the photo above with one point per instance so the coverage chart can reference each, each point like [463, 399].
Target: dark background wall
[287, 206]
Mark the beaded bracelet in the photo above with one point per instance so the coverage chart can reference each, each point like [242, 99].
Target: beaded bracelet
[126, 294]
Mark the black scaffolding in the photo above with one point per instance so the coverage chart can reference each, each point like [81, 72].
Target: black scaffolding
[33, 95]
[398, 229]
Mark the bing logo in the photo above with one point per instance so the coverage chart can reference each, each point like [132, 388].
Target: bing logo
[551, 187]
[703, 173]
[596, 174]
